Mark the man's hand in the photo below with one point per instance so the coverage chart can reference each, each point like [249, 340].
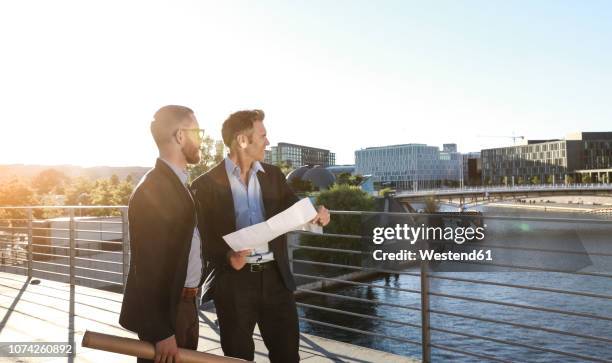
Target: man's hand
[238, 259]
[322, 217]
[166, 351]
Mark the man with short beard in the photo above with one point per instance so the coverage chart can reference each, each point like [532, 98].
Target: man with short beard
[159, 302]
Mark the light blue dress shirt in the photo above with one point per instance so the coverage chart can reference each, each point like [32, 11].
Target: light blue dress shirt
[248, 204]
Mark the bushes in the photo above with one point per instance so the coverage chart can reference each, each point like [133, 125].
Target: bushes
[339, 197]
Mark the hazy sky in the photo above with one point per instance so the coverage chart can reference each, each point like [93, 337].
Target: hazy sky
[80, 81]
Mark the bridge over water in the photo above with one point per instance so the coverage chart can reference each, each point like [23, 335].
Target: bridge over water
[475, 194]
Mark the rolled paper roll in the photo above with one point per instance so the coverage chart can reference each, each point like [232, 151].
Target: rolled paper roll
[141, 349]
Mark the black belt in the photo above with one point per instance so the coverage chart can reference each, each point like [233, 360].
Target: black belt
[258, 267]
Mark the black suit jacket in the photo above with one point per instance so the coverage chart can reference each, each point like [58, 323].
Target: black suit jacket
[161, 223]
[217, 217]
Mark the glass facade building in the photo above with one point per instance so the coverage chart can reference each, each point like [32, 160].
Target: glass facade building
[549, 161]
[409, 166]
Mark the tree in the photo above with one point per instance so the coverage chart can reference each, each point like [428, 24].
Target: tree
[340, 197]
[50, 180]
[348, 179]
[300, 186]
[16, 193]
[211, 154]
[549, 179]
[535, 179]
[102, 193]
[285, 167]
[122, 193]
[114, 180]
[569, 179]
[79, 192]
[586, 178]
[346, 197]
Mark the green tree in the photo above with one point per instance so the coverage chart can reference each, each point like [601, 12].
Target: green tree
[79, 192]
[17, 193]
[348, 179]
[285, 167]
[339, 197]
[122, 193]
[102, 193]
[50, 180]
[535, 179]
[300, 186]
[211, 154]
[587, 178]
[114, 180]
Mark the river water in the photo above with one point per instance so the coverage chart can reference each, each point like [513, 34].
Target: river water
[581, 237]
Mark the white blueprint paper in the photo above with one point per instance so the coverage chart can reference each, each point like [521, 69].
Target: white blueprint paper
[296, 217]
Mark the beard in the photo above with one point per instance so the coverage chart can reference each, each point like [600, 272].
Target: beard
[191, 153]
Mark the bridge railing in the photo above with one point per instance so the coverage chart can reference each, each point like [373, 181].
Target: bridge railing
[502, 188]
[447, 315]
[342, 294]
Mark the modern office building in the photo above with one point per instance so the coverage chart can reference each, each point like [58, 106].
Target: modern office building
[410, 166]
[580, 157]
[299, 155]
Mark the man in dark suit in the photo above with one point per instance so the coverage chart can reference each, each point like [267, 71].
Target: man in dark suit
[255, 286]
[159, 301]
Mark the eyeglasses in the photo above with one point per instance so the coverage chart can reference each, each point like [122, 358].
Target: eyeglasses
[199, 132]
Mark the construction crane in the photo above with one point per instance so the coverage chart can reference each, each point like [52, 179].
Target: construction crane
[514, 138]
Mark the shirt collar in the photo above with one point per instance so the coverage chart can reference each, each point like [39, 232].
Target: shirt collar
[232, 168]
[183, 175]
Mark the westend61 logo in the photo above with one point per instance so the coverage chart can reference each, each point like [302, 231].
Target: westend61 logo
[404, 232]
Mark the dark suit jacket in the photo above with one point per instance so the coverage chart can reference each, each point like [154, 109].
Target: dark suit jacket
[161, 221]
[217, 218]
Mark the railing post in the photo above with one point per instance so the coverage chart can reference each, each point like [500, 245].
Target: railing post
[72, 241]
[30, 255]
[125, 245]
[425, 331]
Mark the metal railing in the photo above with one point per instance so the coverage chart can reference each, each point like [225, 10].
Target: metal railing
[508, 188]
[86, 250]
[425, 295]
[65, 249]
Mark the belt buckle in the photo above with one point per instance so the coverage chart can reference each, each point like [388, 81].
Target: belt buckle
[256, 267]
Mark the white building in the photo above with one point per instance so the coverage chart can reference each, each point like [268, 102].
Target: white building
[410, 166]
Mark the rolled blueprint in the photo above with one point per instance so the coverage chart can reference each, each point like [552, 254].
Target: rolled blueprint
[138, 348]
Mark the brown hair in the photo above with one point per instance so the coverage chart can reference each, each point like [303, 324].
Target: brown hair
[166, 120]
[239, 122]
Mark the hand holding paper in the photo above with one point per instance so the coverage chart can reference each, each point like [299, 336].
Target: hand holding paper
[294, 218]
